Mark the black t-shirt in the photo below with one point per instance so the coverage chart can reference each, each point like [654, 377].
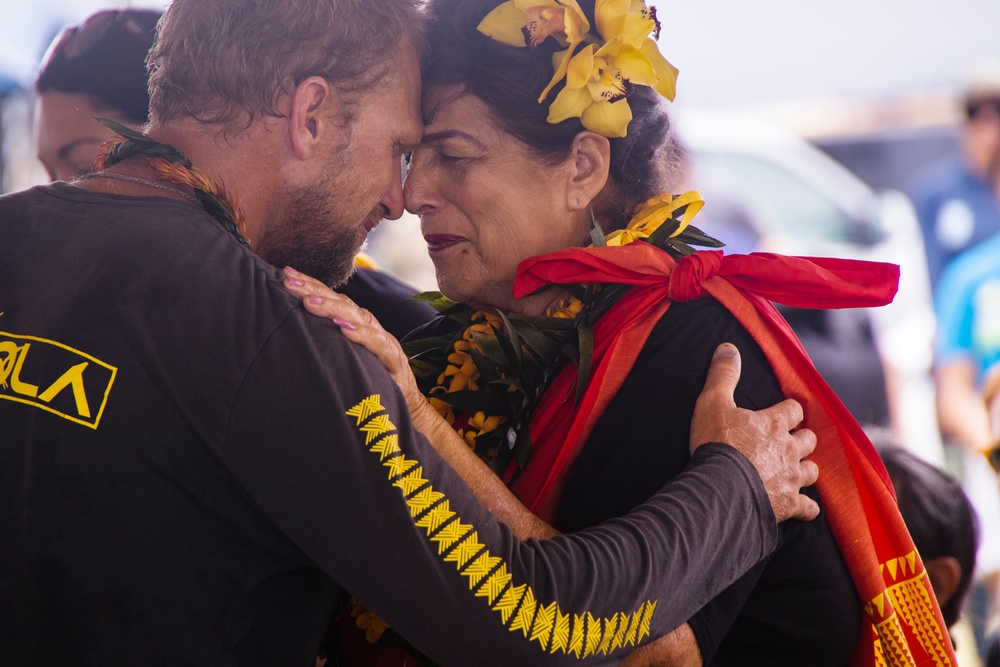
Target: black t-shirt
[191, 466]
[799, 608]
[388, 299]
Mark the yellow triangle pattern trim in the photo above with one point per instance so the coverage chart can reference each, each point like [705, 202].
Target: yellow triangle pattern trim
[579, 635]
[378, 425]
[525, 614]
[509, 601]
[450, 534]
[560, 634]
[412, 481]
[465, 550]
[366, 408]
[423, 500]
[593, 634]
[633, 626]
[609, 625]
[907, 602]
[619, 639]
[495, 584]
[387, 446]
[399, 465]
[541, 630]
[481, 567]
[647, 620]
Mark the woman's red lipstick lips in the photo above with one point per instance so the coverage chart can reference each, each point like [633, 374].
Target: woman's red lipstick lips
[437, 242]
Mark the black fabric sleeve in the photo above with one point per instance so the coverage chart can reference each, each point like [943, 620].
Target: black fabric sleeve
[388, 299]
[319, 438]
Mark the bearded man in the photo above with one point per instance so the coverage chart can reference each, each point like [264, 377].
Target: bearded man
[193, 466]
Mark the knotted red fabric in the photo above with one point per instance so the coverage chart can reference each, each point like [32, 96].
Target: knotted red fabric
[906, 624]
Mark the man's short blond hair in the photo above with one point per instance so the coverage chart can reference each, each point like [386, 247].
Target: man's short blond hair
[229, 61]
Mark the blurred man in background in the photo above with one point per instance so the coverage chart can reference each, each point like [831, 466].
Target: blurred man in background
[956, 199]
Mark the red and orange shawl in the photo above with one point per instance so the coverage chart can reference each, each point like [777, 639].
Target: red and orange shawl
[858, 499]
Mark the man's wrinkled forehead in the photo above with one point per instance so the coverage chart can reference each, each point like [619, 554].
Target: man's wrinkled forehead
[403, 90]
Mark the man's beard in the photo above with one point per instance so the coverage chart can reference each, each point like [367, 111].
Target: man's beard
[314, 238]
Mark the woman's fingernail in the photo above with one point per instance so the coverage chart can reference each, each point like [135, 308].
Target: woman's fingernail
[296, 282]
[344, 324]
[315, 299]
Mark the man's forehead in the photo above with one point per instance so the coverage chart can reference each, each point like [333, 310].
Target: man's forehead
[406, 81]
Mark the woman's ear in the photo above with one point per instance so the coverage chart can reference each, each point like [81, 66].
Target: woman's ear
[589, 162]
[945, 574]
[311, 107]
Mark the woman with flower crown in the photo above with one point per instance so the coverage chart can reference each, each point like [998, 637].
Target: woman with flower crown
[575, 309]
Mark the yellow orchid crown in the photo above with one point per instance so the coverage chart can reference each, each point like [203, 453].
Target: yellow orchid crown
[600, 76]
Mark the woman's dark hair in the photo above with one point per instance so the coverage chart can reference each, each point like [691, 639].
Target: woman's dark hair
[939, 516]
[104, 57]
[508, 80]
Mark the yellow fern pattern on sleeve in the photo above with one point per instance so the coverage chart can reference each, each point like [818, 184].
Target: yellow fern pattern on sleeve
[488, 576]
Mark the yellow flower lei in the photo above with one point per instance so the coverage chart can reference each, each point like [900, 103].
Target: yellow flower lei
[462, 374]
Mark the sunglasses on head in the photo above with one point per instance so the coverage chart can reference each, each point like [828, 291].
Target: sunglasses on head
[78, 40]
[976, 108]
[993, 456]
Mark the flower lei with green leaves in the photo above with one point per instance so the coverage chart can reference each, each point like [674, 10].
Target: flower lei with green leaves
[601, 66]
[171, 165]
[487, 378]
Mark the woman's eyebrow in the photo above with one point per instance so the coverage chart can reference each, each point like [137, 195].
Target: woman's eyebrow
[435, 137]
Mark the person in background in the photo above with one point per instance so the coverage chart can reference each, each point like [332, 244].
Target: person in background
[95, 68]
[991, 397]
[942, 522]
[98, 68]
[967, 344]
[956, 199]
[945, 531]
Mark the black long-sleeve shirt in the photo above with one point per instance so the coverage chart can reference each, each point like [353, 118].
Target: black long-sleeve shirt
[191, 466]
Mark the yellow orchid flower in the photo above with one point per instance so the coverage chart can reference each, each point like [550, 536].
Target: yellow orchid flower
[531, 22]
[598, 78]
[623, 19]
[636, 25]
[666, 74]
[629, 57]
[597, 83]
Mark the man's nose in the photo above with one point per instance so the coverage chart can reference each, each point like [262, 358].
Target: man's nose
[393, 200]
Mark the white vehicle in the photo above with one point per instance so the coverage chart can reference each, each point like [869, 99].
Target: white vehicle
[776, 192]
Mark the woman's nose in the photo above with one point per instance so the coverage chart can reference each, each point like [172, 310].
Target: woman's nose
[419, 194]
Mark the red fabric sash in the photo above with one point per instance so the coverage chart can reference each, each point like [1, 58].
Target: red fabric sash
[858, 500]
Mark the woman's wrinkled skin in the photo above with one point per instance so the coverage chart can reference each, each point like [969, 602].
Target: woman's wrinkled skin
[486, 201]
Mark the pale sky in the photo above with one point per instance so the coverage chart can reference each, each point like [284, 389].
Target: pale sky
[729, 51]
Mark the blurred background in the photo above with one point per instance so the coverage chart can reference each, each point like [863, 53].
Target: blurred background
[809, 128]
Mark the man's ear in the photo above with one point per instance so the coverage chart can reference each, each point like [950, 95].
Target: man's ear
[945, 574]
[589, 162]
[312, 106]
